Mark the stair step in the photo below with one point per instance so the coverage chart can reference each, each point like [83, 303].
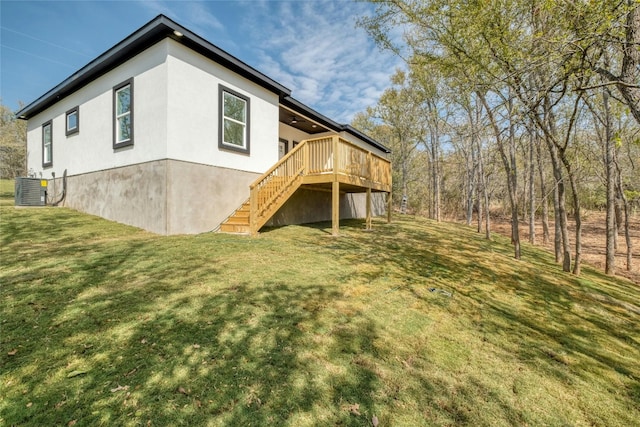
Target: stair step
[238, 220]
[242, 214]
[234, 228]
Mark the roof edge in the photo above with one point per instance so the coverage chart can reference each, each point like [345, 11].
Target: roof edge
[157, 29]
[324, 120]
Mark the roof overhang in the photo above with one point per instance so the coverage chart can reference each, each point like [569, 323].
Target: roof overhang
[297, 106]
[153, 32]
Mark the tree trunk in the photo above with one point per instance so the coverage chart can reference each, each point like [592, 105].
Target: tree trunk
[485, 194]
[513, 185]
[545, 198]
[610, 227]
[577, 216]
[562, 229]
[532, 195]
[471, 184]
[557, 229]
[625, 204]
[510, 168]
[556, 164]
[435, 176]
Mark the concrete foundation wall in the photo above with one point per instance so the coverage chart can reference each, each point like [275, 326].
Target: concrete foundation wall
[174, 197]
[164, 196]
[134, 195]
[307, 206]
[200, 197]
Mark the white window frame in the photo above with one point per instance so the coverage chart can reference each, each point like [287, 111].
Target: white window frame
[117, 142]
[245, 148]
[47, 145]
[72, 130]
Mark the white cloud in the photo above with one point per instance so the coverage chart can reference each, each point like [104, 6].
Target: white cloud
[315, 49]
[195, 15]
[310, 47]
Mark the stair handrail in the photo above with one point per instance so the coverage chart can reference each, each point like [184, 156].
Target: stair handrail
[373, 174]
[255, 218]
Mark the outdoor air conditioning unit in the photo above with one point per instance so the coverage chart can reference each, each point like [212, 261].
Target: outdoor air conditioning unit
[31, 191]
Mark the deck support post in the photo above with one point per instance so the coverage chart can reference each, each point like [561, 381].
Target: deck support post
[335, 190]
[335, 208]
[253, 211]
[389, 206]
[368, 208]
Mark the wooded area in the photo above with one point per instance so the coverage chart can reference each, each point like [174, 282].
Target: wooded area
[13, 144]
[527, 107]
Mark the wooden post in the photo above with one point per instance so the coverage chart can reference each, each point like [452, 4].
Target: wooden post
[368, 208]
[253, 211]
[335, 208]
[389, 204]
[335, 192]
[305, 157]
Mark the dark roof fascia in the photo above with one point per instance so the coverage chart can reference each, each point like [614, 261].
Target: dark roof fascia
[299, 107]
[367, 139]
[154, 31]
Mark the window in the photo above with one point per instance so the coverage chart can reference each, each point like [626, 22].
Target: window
[47, 144]
[123, 114]
[72, 120]
[234, 121]
[283, 147]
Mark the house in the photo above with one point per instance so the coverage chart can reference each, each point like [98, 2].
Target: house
[169, 133]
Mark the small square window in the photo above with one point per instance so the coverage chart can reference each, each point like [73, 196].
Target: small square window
[72, 120]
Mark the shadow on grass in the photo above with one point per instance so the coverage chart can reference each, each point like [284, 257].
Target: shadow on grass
[571, 329]
[111, 326]
[131, 329]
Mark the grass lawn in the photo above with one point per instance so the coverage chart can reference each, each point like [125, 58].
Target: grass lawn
[417, 323]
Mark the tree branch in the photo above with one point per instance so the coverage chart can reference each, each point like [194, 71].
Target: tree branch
[609, 83]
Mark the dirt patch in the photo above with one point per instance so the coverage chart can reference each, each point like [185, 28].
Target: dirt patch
[593, 241]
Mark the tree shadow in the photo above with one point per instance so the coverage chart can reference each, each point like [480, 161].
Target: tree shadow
[169, 342]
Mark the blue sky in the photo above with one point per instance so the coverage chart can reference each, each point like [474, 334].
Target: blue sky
[312, 47]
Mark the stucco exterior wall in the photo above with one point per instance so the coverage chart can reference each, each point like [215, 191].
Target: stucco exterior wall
[194, 113]
[292, 134]
[175, 116]
[92, 148]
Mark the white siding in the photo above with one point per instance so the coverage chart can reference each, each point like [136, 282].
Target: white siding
[175, 117]
[193, 111]
[92, 148]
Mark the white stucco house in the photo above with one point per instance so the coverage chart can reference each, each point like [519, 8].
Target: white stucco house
[169, 133]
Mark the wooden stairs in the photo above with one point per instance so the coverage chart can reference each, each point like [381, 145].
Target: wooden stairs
[326, 160]
[238, 222]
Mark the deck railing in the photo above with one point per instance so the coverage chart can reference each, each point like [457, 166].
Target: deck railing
[316, 157]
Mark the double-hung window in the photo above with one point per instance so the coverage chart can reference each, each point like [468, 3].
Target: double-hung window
[72, 121]
[47, 144]
[123, 114]
[234, 121]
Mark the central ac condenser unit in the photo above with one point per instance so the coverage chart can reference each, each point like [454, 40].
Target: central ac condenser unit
[31, 191]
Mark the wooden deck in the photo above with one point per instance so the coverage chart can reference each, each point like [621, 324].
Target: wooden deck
[330, 163]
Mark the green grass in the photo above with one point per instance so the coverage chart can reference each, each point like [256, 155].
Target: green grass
[104, 324]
